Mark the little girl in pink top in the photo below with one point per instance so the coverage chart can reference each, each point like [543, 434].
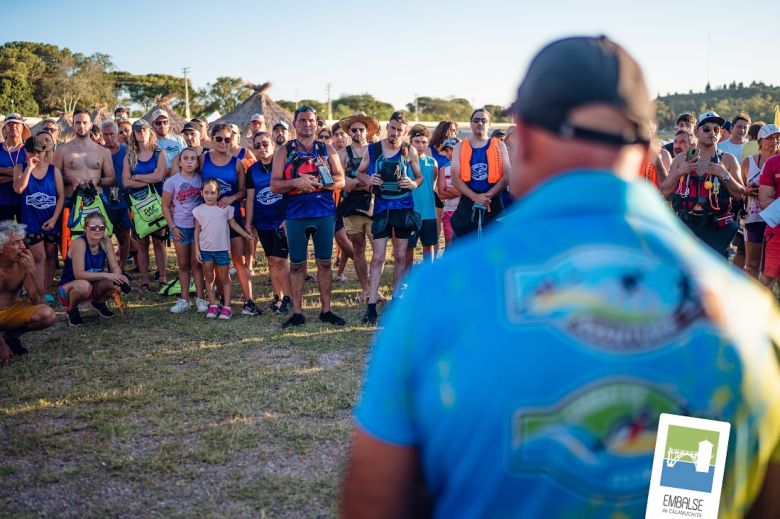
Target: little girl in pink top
[212, 235]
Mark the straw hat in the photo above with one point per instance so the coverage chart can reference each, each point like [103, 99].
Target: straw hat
[360, 117]
[16, 118]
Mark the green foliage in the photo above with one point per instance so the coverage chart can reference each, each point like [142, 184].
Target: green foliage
[349, 104]
[223, 95]
[290, 106]
[498, 113]
[17, 96]
[321, 108]
[437, 109]
[757, 100]
[143, 89]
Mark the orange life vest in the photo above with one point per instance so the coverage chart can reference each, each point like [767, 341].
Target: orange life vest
[495, 161]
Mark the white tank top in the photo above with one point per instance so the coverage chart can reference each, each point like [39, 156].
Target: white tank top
[752, 205]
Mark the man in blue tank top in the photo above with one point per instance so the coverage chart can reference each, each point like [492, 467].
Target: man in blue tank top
[385, 168]
[534, 384]
[11, 153]
[307, 171]
[118, 212]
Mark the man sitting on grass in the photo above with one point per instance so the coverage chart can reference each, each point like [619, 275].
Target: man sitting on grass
[17, 271]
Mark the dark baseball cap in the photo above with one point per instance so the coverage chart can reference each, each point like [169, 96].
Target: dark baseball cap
[579, 71]
[190, 127]
[37, 143]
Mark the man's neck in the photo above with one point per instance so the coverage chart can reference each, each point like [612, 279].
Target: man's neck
[6, 263]
[307, 142]
[115, 149]
[737, 141]
[388, 144]
[163, 136]
[12, 144]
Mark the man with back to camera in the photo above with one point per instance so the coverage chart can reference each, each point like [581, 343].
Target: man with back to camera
[556, 415]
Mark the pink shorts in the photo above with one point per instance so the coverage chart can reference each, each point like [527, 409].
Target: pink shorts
[446, 225]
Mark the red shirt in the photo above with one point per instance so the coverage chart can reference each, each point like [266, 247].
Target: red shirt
[770, 176]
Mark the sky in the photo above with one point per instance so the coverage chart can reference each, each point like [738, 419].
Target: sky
[401, 49]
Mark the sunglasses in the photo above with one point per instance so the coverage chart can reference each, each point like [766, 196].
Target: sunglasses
[325, 136]
[50, 130]
[160, 123]
[96, 228]
[305, 108]
[219, 139]
[708, 129]
[259, 145]
[358, 130]
[478, 120]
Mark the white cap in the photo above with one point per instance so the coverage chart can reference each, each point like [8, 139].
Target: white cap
[257, 117]
[710, 117]
[767, 130]
[159, 113]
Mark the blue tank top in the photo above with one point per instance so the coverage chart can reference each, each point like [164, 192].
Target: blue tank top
[92, 263]
[119, 159]
[147, 167]
[384, 204]
[310, 205]
[224, 175]
[424, 202]
[269, 208]
[10, 160]
[39, 199]
[440, 158]
[479, 170]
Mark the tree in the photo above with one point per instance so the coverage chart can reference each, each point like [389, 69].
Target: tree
[438, 109]
[224, 94]
[290, 106]
[349, 104]
[20, 69]
[143, 89]
[499, 113]
[17, 96]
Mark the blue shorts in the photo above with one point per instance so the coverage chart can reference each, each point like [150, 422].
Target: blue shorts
[320, 230]
[221, 258]
[188, 235]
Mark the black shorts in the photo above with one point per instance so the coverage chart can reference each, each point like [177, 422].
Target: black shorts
[11, 212]
[437, 201]
[427, 234]
[274, 242]
[339, 223]
[240, 221]
[51, 238]
[400, 223]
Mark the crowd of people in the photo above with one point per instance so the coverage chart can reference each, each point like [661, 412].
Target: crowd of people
[214, 191]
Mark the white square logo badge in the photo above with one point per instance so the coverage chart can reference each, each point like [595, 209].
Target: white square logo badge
[690, 457]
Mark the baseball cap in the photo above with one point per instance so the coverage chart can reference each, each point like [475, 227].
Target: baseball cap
[190, 127]
[256, 117]
[159, 113]
[234, 128]
[710, 117]
[767, 130]
[37, 143]
[578, 71]
[450, 142]
[727, 126]
[140, 124]
[283, 124]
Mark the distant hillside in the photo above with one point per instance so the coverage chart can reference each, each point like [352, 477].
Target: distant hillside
[757, 100]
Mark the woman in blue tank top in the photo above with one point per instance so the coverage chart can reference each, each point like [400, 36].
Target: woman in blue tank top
[42, 198]
[83, 276]
[230, 174]
[145, 164]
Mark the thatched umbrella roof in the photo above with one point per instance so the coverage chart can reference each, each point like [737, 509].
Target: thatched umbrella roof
[66, 132]
[177, 121]
[257, 103]
[100, 113]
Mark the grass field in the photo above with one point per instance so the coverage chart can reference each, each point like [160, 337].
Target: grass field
[155, 414]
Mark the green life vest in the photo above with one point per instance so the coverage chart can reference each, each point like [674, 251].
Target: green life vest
[83, 202]
[146, 206]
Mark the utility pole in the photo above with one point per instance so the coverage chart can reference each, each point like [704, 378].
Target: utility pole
[330, 106]
[186, 94]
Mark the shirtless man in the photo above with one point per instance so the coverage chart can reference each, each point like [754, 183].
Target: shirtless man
[82, 161]
[17, 270]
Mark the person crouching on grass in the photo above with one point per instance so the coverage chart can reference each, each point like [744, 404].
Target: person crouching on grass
[181, 195]
[212, 235]
[83, 276]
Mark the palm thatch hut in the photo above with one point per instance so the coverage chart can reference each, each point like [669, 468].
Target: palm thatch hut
[65, 133]
[257, 103]
[100, 113]
[177, 121]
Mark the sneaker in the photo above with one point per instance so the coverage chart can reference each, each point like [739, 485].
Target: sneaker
[250, 308]
[201, 305]
[182, 305]
[274, 303]
[310, 279]
[226, 313]
[341, 279]
[330, 317]
[295, 320]
[212, 312]
[285, 305]
[102, 309]
[74, 317]
[370, 318]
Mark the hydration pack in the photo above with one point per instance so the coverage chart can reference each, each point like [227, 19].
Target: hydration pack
[307, 164]
[146, 205]
[84, 201]
[390, 171]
